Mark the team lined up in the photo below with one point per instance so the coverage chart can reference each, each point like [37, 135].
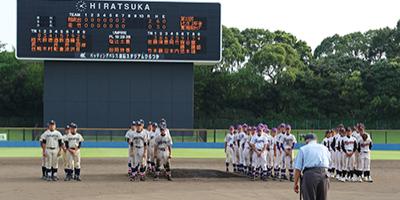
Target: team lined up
[55, 146]
[350, 150]
[261, 152]
[148, 150]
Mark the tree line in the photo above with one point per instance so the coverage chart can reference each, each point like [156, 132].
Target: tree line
[263, 76]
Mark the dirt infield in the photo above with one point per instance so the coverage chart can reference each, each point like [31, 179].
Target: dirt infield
[193, 179]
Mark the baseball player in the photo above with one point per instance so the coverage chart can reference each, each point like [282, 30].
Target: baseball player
[275, 156]
[152, 134]
[364, 147]
[247, 153]
[63, 152]
[51, 142]
[129, 134]
[327, 143]
[241, 138]
[339, 154]
[73, 143]
[259, 146]
[349, 147]
[162, 153]
[270, 151]
[289, 141]
[229, 148]
[138, 142]
[357, 173]
[332, 150]
[279, 152]
[236, 148]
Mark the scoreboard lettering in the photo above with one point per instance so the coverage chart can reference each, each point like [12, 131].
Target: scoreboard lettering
[119, 31]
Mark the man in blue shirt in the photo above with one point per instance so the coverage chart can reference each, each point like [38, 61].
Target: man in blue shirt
[313, 160]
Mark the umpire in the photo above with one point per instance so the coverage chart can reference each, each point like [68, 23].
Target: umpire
[313, 161]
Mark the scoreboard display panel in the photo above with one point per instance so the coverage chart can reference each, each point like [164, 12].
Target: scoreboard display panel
[96, 30]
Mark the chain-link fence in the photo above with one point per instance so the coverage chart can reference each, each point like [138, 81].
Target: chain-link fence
[178, 135]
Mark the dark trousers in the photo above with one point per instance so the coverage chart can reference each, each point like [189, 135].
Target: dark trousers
[315, 184]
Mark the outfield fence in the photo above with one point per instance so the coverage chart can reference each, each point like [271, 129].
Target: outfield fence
[178, 135]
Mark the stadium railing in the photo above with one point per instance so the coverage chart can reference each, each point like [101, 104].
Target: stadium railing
[178, 135]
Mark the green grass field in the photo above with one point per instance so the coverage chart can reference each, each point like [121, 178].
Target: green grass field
[177, 153]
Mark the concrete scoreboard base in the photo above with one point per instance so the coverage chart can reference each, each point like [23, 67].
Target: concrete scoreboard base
[112, 94]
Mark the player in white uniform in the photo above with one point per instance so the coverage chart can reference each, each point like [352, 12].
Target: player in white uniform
[327, 143]
[247, 153]
[332, 151]
[364, 147]
[73, 142]
[63, 152]
[51, 142]
[229, 148]
[259, 146]
[242, 137]
[270, 152]
[357, 173]
[128, 135]
[349, 147]
[279, 150]
[236, 148]
[151, 136]
[274, 136]
[162, 153]
[339, 154]
[138, 142]
[289, 141]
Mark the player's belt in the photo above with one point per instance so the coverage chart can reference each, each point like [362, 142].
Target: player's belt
[73, 148]
[161, 149]
[52, 148]
[138, 147]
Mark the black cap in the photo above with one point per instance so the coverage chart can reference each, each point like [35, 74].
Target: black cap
[133, 123]
[149, 123]
[310, 136]
[155, 124]
[140, 122]
[51, 122]
[163, 120]
[73, 125]
[67, 126]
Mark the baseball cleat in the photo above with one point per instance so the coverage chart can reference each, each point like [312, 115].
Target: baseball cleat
[369, 179]
[142, 178]
[67, 178]
[77, 178]
[43, 178]
[48, 178]
[54, 178]
[169, 178]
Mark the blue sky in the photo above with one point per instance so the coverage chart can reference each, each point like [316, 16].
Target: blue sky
[309, 20]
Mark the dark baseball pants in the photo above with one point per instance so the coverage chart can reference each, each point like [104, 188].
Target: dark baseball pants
[315, 184]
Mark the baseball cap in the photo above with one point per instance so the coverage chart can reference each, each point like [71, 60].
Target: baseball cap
[67, 126]
[288, 127]
[140, 122]
[282, 125]
[73, 125]
[155, 124]
[245, 125]
[231, 127]
[51, 122]
[274, 129]
[133, 123]
[149, 123]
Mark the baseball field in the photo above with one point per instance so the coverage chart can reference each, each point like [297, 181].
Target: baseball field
[198, 174]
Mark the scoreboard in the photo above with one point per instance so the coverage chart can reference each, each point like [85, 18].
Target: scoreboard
[97, 30]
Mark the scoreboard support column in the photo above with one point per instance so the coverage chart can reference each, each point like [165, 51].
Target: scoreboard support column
[112, 94]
